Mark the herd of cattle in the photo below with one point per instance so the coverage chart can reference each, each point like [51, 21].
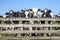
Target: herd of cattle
[32, 13]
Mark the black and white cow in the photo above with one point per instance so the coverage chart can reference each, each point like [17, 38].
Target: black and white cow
[26, 13]
[35, 13]
[22, 13]
[11, 13]
[47, 13]
[30, 15]
[16, 14]
[57, 16]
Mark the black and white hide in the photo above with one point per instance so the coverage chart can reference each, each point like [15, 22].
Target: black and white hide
[35, 13]
[39, 13]
[57, 16]
[47, 13]
[26, 13]
[22, 14]
[11, 13]
[6, 13]
[30, 15]
[16, 14]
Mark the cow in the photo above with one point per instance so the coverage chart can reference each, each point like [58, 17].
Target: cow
[57, 16]
[30, 15]
[35, 13]
[47, 14]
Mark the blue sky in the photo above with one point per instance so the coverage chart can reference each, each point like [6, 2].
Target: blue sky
[17, 5]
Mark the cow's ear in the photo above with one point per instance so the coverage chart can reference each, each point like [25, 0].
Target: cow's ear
[50, 11]
[30, 9]
[11, 11]
[23, 10]
[42, 11]
[39, 9]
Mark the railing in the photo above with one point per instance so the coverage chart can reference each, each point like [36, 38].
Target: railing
[32, 38]
[37, 38]
[29, 31]
[30, 19]
[29, 25]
